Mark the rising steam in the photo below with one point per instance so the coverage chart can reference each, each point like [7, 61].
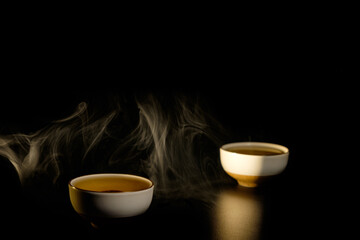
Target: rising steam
[181, 144]
[47, 150]
[174, 143]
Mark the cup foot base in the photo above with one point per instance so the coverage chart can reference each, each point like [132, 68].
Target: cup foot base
[99, 223]
[249, 181]
[247, 184]
[94, 225]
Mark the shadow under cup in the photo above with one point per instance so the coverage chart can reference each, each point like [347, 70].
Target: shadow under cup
[106, 197]
[252, 163]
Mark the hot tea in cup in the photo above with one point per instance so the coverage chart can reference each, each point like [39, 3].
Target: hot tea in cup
[110, 196]
[250, 163]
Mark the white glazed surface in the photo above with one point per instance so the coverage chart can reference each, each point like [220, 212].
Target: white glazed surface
[253, 165]
[110, 205]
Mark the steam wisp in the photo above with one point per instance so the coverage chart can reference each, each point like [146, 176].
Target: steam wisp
[181, 144]
[50, 150]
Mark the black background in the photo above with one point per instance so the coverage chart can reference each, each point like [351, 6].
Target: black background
[287, 82]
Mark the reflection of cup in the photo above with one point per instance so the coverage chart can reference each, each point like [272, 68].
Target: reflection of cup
[250, 163]
[110, 196]
[238, 215]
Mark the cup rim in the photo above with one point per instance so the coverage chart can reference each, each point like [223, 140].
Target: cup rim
[226, 146]
[111, 193]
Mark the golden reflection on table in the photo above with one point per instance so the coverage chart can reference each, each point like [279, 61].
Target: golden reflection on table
[238, 214]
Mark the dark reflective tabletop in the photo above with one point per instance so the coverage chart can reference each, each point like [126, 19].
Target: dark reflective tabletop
[283, 209]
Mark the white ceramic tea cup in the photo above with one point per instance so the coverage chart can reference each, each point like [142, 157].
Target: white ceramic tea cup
[110, 195]
[250, 168]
